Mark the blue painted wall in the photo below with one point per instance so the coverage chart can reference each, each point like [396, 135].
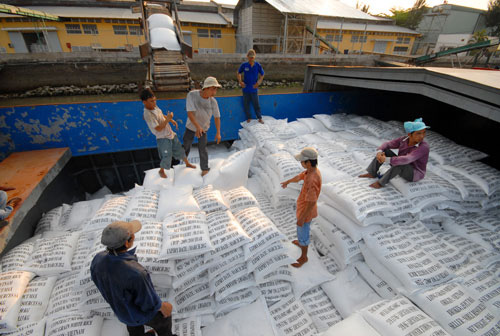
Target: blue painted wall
[94, 128]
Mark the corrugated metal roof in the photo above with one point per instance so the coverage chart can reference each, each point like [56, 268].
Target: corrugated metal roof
[330, 24]
[85, 12]
[202, 17]
[333, 8]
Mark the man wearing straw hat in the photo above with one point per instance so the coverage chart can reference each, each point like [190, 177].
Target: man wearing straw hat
[201, 106]
[126, 285]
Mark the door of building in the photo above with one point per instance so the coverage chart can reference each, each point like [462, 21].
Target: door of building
[380, 47]
[35, 42]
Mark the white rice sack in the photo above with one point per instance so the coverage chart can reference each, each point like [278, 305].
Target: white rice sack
[285, 220]
[233, 173]
[52, 256]
[376, 283]
[35, 300]
[259, 228]
[92, 299]
[313, 124]
[329, 174]
[299, 128]
[158, 20]
[187, 327]
[412, 265]
[349, 292]
[34, 328]
[311, 274]
[282, 273]
[185, 297]
[488, 178]
[465, 227]
[49, 220]
[154, 181]
[482, 284]
[275, 290]
[343, 222]
[356, 201]
[16, 258]
[204, 306]
[400, 205]
[345, 246]
[225, 234]
[223, 261]
[149, 242]
[320, 308]
[291, 318]
[285, 165]
[190, 272]
[81, 212]
[450, 178]
[240, 198]
[333, 124]
[82, 250]
[214, 173]
[230, 281]
[13, 285]
[420, 188]
[330, 264]
[176, 200]
[210, 199]
[489, 221]
[142, 206]
[347, 164]
[325, 247]
[187, 176]
[185, 234]
[399, 317]
[65, 297]
[268, 260]
[61, 226]
[114, 327]
[457, 311]
[242, 322]
[237, 299]
[164, 38]
[111, 211]
[353, 325]
[475, 251]
[74, 324]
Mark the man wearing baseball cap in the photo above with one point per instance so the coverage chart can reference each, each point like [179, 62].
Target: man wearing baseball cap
[307, 208]
[201, 106]
[126, 285]
[411, 161]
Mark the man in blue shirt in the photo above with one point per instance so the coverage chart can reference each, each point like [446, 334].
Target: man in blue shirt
[253, 77]
[126, 285]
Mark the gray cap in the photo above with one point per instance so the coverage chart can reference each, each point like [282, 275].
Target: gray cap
[307, 153]
[117, 233]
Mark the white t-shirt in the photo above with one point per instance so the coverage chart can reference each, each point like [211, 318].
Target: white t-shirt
[153, 119]
[203, 110]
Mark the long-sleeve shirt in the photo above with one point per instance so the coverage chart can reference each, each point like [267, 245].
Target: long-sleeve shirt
[416, 155]
[126, 286]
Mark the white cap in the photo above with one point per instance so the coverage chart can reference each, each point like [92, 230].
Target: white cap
[117, 233]
[307, 153]
[211, 82]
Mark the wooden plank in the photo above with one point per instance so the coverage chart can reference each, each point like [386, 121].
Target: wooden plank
[29, 172]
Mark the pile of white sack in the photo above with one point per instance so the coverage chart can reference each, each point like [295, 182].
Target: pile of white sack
[162, 32]
[417, 258]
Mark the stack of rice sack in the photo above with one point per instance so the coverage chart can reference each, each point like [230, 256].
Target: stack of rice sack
[411, 258]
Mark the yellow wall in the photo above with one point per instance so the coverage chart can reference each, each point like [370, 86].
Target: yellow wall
[227, 41]
[105, 37]
[367, 46]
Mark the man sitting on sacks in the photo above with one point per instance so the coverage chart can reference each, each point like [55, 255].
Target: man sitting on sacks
[126, 285]
[411, 161]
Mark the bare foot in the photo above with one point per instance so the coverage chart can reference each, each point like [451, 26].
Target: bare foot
[162, 173]
[204, 172]
[189, 165]
[14, 201]
[300, 262]
[261, 121]
[295, 242]
[248, 120]
[367, 175]
[376, 185]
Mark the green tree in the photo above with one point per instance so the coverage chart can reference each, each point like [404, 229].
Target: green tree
[362, 7]
[493, 16]
[411, 17]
